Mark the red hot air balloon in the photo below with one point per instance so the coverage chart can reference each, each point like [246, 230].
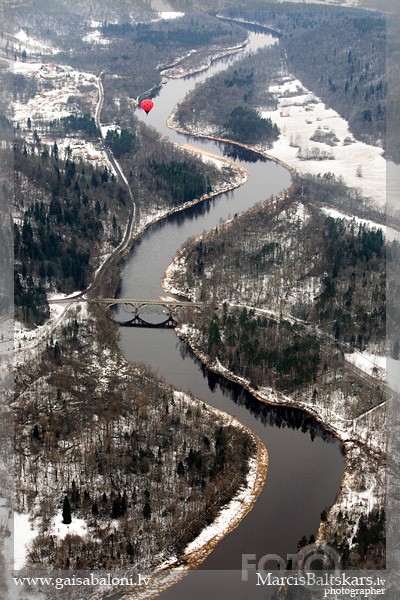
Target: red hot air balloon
[147, 105]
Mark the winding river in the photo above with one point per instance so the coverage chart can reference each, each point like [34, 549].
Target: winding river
[305, 462]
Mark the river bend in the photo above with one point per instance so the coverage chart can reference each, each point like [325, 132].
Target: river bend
[305, 462]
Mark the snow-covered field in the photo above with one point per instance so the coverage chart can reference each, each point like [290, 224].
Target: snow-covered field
[298, 116]
[34, 45]
[51, 103]
[367, 362]
[25, 533]
[169, 14]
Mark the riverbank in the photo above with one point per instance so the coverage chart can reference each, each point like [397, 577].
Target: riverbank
[363, 483]
[105, 370]
[210, 135]
[301, 115]
[228, 519]
[30, 353]
[206, 59]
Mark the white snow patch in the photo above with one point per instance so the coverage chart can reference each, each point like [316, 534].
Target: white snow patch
[95, 37]
[171, 15]
[94, 153]
[24, 533]
[110, 127]
[336, 214]
[25, 67]
[373, 364]
[298, 119]
[55, 296]
[77, 527]
[35, 45]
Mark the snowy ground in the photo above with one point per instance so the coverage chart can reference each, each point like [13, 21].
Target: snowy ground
[373, 364]
[25, 533]
[363, 484]
[390, 233]
[170, 14]
[55, 102]
[27, 340]
[299, 116]
[34, 45]
[95, 37]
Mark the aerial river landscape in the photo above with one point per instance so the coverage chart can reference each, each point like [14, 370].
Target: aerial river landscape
[305, 461]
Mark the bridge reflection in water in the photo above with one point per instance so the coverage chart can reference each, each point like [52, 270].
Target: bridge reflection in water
[169, 310]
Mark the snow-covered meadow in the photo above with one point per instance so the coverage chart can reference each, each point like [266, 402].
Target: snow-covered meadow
[56, 102]
[299, 115]
[34, 45]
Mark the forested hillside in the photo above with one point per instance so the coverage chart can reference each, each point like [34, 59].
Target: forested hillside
[132, 53]
[294, 258]
[96, 439]
[71, 214]
[229, 101]
[299, 286]
[340, 54]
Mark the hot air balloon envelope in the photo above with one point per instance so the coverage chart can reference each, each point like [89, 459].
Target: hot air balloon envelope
[147, 105]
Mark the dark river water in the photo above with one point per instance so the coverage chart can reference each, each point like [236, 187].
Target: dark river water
[305, 463]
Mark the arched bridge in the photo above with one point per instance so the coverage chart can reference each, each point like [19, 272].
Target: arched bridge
[169, 309]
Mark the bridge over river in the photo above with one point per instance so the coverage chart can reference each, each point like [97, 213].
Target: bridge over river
[168, 308]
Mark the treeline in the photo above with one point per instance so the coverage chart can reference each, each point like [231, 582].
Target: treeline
[196, 32]
[70, 216]
[182, 179]
[261, 350]
[245, 124]
[291, 256]
[120, 142]
[340, 55]
[229, 102]
[352, 255]
[74, 123]
[368, 546]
